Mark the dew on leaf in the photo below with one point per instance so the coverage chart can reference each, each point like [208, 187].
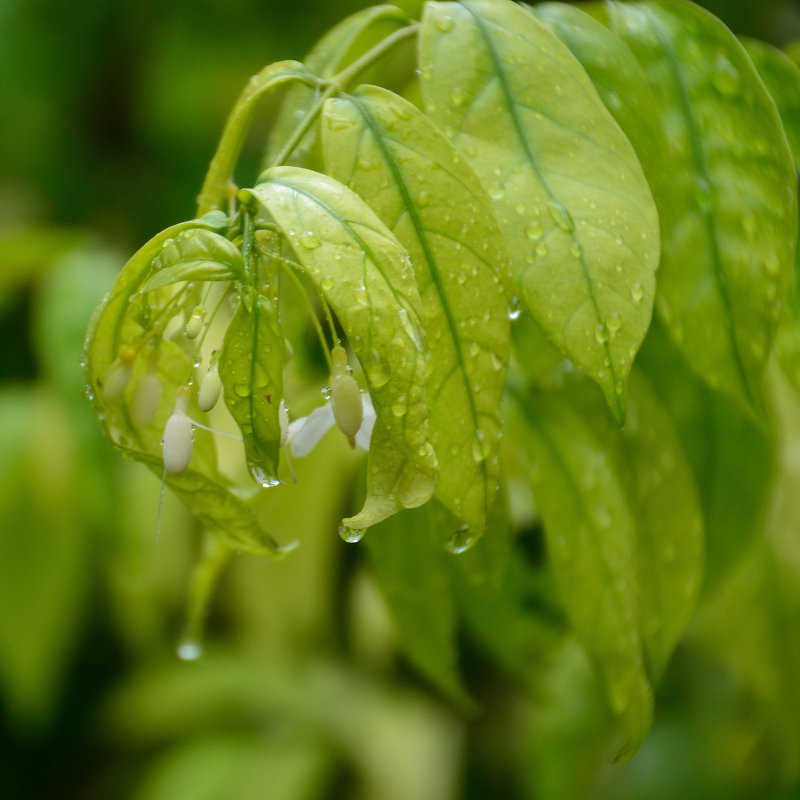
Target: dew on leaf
[496, 191]
[309, 240]
[458, 96]
[326, 283]
[561, 216]
[600, 334]
[637, 293]
[534, 230]
[576, 250]
[613, 322]
[445, 24]
[460, 541]
[351, 535]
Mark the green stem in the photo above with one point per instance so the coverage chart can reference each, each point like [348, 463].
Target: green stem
[301, 286]
[204, 578]
[339, 83]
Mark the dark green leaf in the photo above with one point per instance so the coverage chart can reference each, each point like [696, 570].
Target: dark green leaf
[570, 197]
[384, 149]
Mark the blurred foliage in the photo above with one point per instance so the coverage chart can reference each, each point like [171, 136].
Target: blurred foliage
[111, 112]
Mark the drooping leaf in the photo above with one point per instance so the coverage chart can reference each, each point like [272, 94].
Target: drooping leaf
[250, 366]
[361, 269]
[592, 545]
[408, 556]
[384, 149]
[570, 197]
[195, 255]
[220, 171]
[338, 48]
[729, 227]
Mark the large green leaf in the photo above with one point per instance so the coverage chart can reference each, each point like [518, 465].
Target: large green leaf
[729, 227]
[571, 200]
[384, 149]
[364, 273]
[337, 49]
[251, 367]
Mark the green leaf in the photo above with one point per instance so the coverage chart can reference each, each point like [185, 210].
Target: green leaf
[251, 366]
[408, 556]
[337, 49]
[592, 545]
[196, 255]
[729, 224]
[620, 82]
[363, 272]
[570, 197]
[384, 149]
[647, 457]
[781, 76]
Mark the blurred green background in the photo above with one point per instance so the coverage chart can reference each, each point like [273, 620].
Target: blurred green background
[111, 111]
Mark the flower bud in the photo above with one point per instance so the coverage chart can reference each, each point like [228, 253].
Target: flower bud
[345, 395]
[195, 323]
[119, 375]
[210, 387]
[178, 436]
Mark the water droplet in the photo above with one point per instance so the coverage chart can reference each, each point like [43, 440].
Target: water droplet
[189, 650]
[241, 390]
[496, 191]
[637, 293]
[480, 447]
[423, 198]
[561, 216]
[309, 240]
[541, 249]
[534, 230]
[725, 77]
[576, 250]
[445, 24]
[401, 112]
[613, 323]
[458, 96]
[326, 283]
[600, 334]
[772, 265]
[515, 309]
[351, 535]
[399, 408]
[497, 364]
[460, 541]
[474, 349]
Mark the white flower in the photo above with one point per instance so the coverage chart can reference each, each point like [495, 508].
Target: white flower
[305, 432]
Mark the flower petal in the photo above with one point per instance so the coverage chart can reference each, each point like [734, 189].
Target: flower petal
[304, 433]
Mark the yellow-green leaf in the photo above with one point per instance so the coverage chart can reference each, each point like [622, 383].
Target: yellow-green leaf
[569, 194]
[729, 227]
[364, 273]
[384, 149]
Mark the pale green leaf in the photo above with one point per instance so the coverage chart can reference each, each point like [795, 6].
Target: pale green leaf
[384, 149]
[337, 49]
[592, 546]
[621, 83]
[570, 197]
[363, 272]
[250, 366]
[195, 255]
[408, 556]
[729, 227]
